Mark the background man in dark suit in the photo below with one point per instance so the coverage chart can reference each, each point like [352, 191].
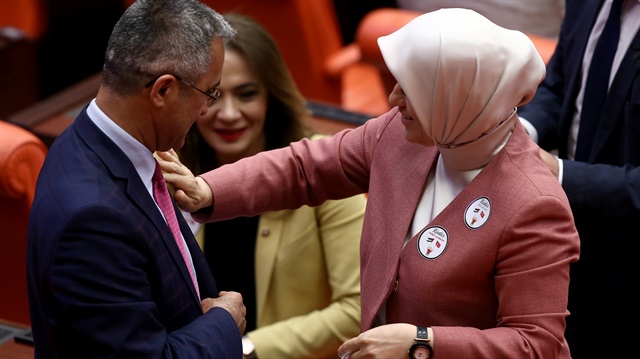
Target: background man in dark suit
[599, 174]
[107, 275]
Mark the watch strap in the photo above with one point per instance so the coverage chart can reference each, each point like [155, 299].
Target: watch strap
[422, 334]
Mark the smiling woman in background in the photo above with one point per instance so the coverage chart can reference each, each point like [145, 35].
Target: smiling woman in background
[297, 270]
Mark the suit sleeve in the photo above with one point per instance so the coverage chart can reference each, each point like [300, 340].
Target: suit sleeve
[602, 189]
[544, 110]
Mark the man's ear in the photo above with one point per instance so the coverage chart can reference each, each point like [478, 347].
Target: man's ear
[163, 86]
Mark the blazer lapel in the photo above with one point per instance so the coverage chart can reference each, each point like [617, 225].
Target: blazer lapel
[453, 217]
[266, 251]
[401, 175]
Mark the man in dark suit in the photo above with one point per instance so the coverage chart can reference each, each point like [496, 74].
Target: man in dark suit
[107, 275]
[599, 174]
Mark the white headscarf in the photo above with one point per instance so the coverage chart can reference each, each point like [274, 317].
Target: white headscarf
[464, 77]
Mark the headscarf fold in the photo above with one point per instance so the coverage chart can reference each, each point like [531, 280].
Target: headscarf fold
[464, 77]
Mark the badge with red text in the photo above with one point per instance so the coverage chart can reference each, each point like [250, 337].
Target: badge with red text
[477, 213]
[432, 242]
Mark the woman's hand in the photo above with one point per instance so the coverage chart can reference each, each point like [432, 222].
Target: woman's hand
[386, 341]
[192, 193]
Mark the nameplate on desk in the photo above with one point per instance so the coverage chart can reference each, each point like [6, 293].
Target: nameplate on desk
[21, 335]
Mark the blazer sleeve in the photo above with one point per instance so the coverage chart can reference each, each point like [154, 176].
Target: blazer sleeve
[531, 282]
[318, 334]
[304, 173]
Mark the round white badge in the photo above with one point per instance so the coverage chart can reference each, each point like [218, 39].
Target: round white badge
[432, 242]
[477, 213]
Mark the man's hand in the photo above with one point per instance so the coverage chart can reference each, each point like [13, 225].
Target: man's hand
[192, 193]
[232, 303]
[551, 161]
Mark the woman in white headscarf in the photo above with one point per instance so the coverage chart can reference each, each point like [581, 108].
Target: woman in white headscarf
[467, 238]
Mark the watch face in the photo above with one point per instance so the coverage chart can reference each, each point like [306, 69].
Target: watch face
[421, 351]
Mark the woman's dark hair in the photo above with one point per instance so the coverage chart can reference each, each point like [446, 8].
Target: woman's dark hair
[287, 112]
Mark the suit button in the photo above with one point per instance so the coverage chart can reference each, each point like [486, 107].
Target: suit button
[265, 232]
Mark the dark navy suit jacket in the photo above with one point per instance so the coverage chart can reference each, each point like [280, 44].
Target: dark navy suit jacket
[105, 276]
[604, 192]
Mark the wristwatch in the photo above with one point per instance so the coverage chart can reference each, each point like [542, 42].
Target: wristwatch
[421, 349]
[248, 348]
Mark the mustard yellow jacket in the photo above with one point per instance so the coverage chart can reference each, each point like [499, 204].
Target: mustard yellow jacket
[308, 279]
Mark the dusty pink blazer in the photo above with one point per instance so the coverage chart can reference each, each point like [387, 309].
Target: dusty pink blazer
[489, 274]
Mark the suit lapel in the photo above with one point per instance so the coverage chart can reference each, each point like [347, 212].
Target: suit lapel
[124, 172]
[614, 104]
[206, 284]
[579, 34]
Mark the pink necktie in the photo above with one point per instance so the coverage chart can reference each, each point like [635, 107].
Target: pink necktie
[161, 196]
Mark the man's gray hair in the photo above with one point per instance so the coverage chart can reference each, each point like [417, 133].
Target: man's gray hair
[156, 37]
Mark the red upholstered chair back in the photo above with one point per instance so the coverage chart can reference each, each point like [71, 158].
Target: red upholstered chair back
[21, 157]
[23, 24]
[26, 15]
[306, 32]
[366, 82]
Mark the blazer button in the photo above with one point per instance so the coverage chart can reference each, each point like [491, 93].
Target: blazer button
[265, 232]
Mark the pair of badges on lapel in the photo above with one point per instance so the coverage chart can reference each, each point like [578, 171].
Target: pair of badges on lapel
[434, 239]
